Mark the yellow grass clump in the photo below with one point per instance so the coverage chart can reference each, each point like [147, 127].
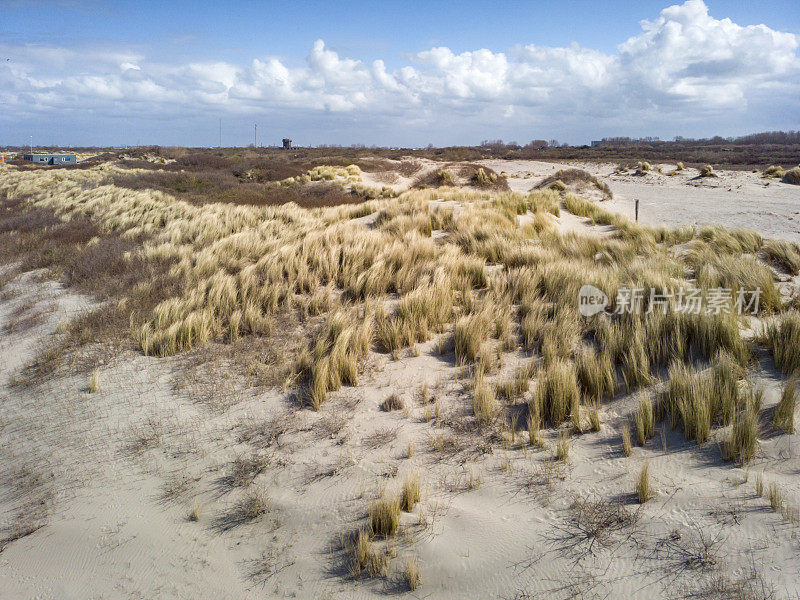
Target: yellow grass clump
[384, 515]
[644, 490]
[784, 412]
[557, 392]
[411, 492]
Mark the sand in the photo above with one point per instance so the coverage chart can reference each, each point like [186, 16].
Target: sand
[736, 199]
[108, 479]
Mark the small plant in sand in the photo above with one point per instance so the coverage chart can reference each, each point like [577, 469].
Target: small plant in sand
[760, 485]
[253, 505]
[741, 445]
[707, 171]
[644, 421]
[557, 185]
[446, 178]
[775, 496]
[364, 556]
[643, 490]
[534, 425]
[393, 402]
[679, 166]
[483, 179]
[562, 447]
[411, 492]
[626, 439]
[384, 515]
[410, 450]
[784, 412]
[94, 384]
[412, 574]
[194, 514]
[643, 167]
[474, 481]
[594, 417]
[484, 401]
[245, 468]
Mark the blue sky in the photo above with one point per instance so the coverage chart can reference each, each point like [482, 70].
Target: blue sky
[394, 73]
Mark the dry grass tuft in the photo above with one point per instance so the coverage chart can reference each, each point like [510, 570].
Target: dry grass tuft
[792, 176]
[774, 171]
[760, 485]
[562, 447]
[534, 425]
[643, 490]
[393, 402]
[245, 468]
[645, 428]
[384, 515]
[364, 556]
[775, 496]
[557, 392]
[784, 412]
[484, 401]
[576, 179]
[254, 505]
[707, 171]
[782, 337]
[625, 432]
[470, 333]
[94, 384]
[411, 492]
[741, 446]
[782, 254]
[594, 417]
[412, 574]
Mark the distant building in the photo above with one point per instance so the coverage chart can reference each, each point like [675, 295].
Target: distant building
[597, 143]
[52, 159]
[287, 143]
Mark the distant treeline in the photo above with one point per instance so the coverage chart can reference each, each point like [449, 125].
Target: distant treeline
[755, 150]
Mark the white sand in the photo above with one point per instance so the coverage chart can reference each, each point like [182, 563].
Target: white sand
[738, 199]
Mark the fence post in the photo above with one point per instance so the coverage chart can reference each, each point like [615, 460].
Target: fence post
[637, 210]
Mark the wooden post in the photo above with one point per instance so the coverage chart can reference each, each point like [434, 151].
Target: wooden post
[637, 210]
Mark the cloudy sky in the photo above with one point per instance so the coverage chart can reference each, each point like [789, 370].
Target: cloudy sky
[394, 73]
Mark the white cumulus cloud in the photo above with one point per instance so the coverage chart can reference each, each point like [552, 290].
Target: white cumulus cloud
[685, 65]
